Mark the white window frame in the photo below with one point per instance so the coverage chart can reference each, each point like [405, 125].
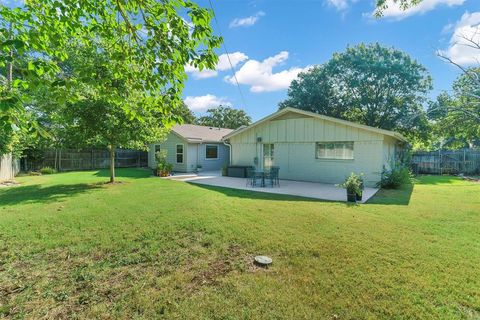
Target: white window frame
[182, 153]
[211, 145]
[334, 148]
[270, 156]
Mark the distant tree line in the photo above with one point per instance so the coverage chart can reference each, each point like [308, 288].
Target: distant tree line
[220, 117]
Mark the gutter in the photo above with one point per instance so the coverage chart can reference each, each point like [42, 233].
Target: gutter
[230, 151]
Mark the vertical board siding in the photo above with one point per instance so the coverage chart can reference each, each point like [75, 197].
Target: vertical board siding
[295, 147]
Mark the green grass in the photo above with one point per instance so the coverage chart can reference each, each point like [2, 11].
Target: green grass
[73, 247]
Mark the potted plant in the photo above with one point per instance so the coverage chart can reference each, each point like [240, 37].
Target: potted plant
[352, 185]
[163, 168]
[224, 170]
[199, 168]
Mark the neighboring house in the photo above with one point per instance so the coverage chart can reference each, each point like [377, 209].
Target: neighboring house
[189, 146]
[312, 147]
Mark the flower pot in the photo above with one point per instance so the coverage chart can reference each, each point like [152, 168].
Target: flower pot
[351, 197]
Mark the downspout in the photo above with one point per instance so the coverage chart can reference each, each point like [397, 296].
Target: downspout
[229, 151]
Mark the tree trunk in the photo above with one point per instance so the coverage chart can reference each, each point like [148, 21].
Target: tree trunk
[112, 163]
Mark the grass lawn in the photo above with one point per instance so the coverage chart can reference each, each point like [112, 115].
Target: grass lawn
[72, 247]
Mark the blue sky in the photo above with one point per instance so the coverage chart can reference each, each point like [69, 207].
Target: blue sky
[270, 41]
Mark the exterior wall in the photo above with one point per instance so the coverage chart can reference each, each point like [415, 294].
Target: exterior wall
[294, 138]
[9, 167]
[389, 152]
[214, 164]
[170, 144]
[194, 154]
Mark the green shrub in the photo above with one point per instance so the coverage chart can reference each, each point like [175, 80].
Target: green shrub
[395, 178]
[353, 183]
[163, 167]
[47, 170]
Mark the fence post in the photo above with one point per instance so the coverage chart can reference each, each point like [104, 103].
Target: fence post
[440, 160]
[92, 163]
[60, 160]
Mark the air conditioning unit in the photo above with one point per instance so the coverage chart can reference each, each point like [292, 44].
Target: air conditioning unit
[259, 139]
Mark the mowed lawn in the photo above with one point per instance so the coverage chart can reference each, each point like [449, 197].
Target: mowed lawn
[73, 247]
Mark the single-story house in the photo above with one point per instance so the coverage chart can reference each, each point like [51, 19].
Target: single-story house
[313, 147]
[190, 147]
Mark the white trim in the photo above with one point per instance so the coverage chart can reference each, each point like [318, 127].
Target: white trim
[211, 145]
[183, 153]
[335, 142]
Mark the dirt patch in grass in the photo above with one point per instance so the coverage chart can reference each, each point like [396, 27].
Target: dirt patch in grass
[232, 259]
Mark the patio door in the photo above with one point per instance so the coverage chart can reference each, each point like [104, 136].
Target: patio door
[268, 155]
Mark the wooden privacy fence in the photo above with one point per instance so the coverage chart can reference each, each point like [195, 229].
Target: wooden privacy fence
[465, 161]
[69, 160]
[9, 167]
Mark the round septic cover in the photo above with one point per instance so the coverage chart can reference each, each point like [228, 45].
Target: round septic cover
[263, 260]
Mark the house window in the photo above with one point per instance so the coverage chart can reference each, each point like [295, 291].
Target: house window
[179, 153]
[157, 148]
[335, 150]
[211, 152]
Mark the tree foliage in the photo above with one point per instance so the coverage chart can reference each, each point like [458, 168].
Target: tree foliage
[456, 117]
[369, 84]
[225, 117]
[147, 44]
[381, 5]
[186, 114]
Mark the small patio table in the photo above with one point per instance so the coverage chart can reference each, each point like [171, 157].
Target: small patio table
[260, 175]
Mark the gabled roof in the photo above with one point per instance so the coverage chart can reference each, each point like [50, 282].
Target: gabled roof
[281, 112]
[198, 134]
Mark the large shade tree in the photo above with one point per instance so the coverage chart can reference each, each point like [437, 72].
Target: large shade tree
[225, 117]
[147, 44]
[369, 84]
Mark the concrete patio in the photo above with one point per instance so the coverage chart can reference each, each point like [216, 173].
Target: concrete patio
[295, 188]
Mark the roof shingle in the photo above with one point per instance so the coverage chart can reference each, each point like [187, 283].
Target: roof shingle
[195, 133]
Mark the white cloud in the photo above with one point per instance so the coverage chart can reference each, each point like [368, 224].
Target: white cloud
[395, 11]
[246, 22]
[222, 65]
[260, 76]
[466, 32]
[202, 103]
[340, 5]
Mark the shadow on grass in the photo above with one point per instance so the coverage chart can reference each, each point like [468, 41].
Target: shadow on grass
[38, 194]
[393, 196]
[257, 195]
[132, 173]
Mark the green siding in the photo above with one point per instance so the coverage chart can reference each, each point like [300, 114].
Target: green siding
[295, 139]
[170, 144]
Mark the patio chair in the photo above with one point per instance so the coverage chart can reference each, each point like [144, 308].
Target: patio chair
[251, 177]
[272, 176]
